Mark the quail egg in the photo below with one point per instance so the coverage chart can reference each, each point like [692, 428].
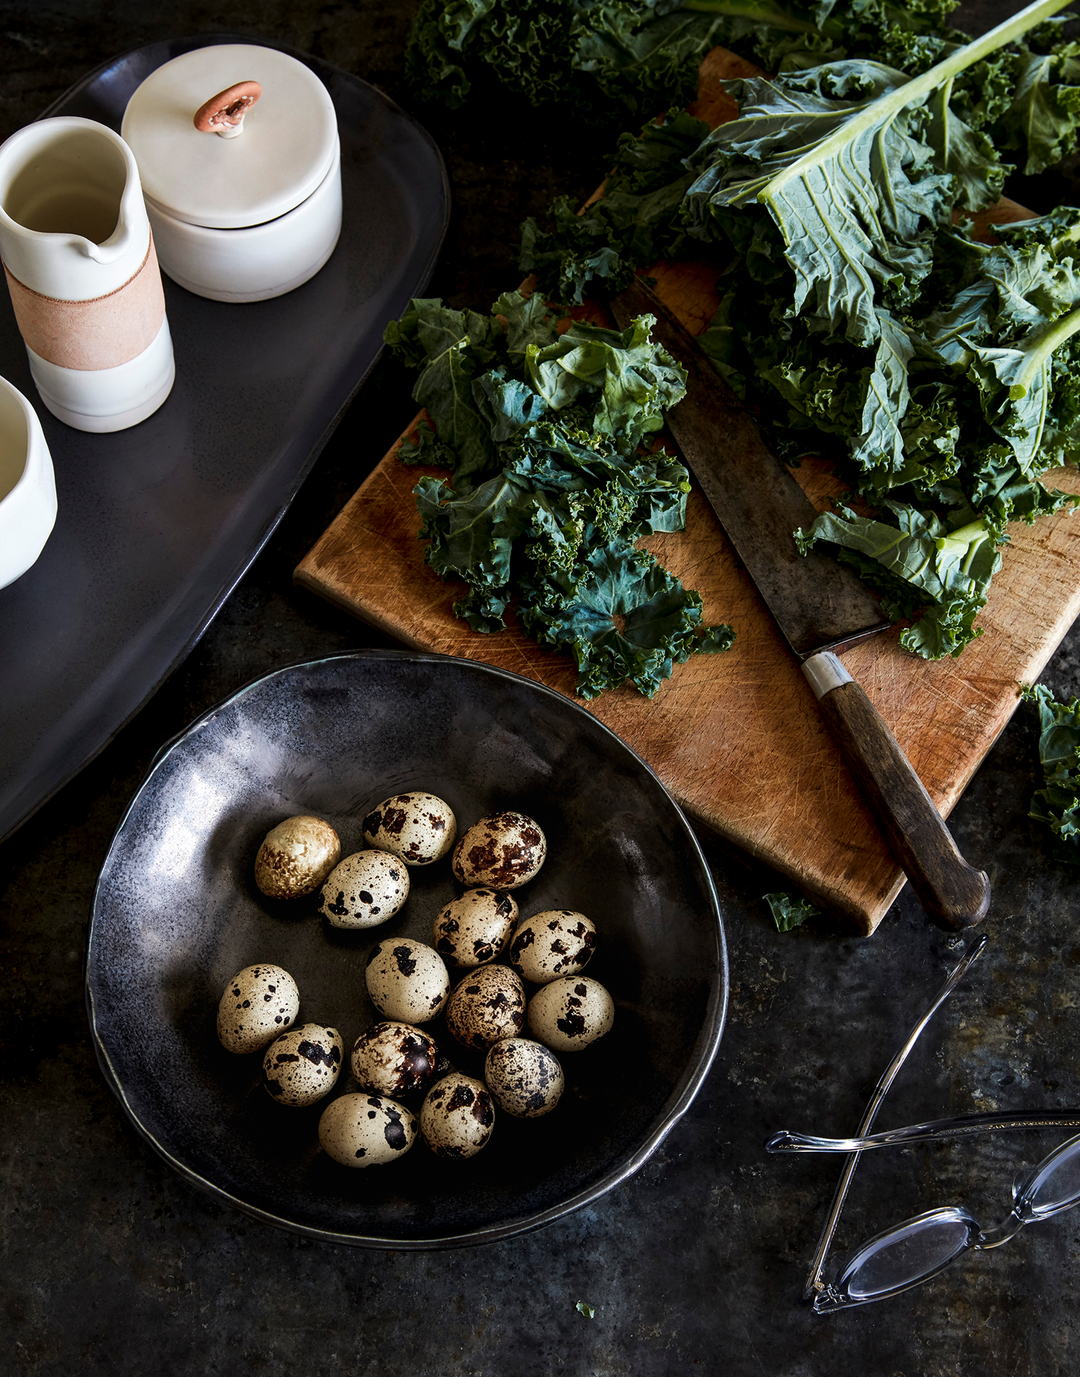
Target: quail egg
[487, 1005]
[406, 980]
[457, 1116]
[570, 1012]
[474, 928]
[259, 1003]
[365, 889]
[418, 827]
[524, 1076]
[296, 856]
[362, 1130]
[547, 945]
[302, 1065]
[503, 851]
[394, 1059]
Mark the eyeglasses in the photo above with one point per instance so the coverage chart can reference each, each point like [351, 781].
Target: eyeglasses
[918, 1249]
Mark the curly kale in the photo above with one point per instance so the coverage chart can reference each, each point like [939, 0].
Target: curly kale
[551, 484]
[939, 374]
[1057, 805]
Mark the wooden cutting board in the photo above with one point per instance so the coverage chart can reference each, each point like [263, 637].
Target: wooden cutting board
[737, 737]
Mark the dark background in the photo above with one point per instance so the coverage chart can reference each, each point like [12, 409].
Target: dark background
[113, 1264]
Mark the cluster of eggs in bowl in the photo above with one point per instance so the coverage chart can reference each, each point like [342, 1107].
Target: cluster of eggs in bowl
[476, 973]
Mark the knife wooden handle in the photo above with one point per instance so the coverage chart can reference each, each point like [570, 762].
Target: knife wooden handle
[952, 892]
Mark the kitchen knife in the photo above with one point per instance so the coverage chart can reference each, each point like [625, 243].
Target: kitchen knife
[820, 606]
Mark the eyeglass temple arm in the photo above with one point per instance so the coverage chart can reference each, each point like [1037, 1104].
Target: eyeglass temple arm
[963, 1126]
[813, 1280]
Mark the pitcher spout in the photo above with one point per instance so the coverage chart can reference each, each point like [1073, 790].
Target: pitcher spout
[72, 220]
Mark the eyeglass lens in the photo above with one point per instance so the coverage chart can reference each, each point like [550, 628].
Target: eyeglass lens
[917, 1249]
[1054, 1184]
[910, 1253]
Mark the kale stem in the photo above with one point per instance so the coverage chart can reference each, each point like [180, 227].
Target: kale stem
[919, 88]
[1039, 349]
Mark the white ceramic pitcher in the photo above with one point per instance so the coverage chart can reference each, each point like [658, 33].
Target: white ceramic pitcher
[83, 274]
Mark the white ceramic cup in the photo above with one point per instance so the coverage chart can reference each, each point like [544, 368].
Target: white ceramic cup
[27, 486]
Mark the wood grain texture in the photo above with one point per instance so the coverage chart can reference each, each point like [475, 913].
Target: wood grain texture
[738, 738]
[952, 892]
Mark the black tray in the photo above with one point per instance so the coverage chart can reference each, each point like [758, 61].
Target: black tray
[157, 524]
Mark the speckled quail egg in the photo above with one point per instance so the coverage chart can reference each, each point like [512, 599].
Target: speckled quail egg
[457, 1116]
[394, 1059]
[365, 889]
[503, 851]
[418, 827]
[302, 1065]
[296, 856]
[406, 980]
[487, 1005]
[570, 1013]
[524, 1076]
[259, 1003]
[474, 928]
[362, 1130]
[547, 945]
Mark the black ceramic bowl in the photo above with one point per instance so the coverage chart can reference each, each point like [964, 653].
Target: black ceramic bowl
[177, 914]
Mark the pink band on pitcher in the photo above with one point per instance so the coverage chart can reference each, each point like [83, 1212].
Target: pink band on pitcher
[100, 333]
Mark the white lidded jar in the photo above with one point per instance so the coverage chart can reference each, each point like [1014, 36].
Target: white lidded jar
[82, 273]
[249, 207]
[27, 485]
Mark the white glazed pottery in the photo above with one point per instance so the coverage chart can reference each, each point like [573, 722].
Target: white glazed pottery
[251, 207]
[82, 273]
[27, 486]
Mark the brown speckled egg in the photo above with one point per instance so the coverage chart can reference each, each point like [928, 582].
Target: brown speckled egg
[547, 945]
[303, 1064]
[296, 856]
[365, 889]
[487, 1005]
[418, 827]
[524, 1076]
[474, 929]
[259, 1003]
[407, 981]
[366, 1130]
[457, 1116]
[394, 1059]
[501, 851]
[570, 1013]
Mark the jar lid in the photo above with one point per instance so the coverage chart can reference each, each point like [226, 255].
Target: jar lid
[288, 143]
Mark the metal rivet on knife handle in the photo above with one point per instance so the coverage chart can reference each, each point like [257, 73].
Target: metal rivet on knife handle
[953, 893]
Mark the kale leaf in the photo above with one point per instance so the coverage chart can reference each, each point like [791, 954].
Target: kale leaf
[789, 910]
[600, 61]
[1058, 804]
[552, 483]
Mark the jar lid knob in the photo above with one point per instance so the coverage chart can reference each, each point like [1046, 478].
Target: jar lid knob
[224, 113]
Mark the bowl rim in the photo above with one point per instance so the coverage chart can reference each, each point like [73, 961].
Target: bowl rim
[691, 1080]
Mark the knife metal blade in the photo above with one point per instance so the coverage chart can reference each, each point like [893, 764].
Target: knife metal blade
[820, 607]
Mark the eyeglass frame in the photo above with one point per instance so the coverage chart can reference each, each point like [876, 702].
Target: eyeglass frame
[831, 1296]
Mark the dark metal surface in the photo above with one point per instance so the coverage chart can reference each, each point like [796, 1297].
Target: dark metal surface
[113, 1265]
[818, 604]
[177, 915]
[155, 524]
